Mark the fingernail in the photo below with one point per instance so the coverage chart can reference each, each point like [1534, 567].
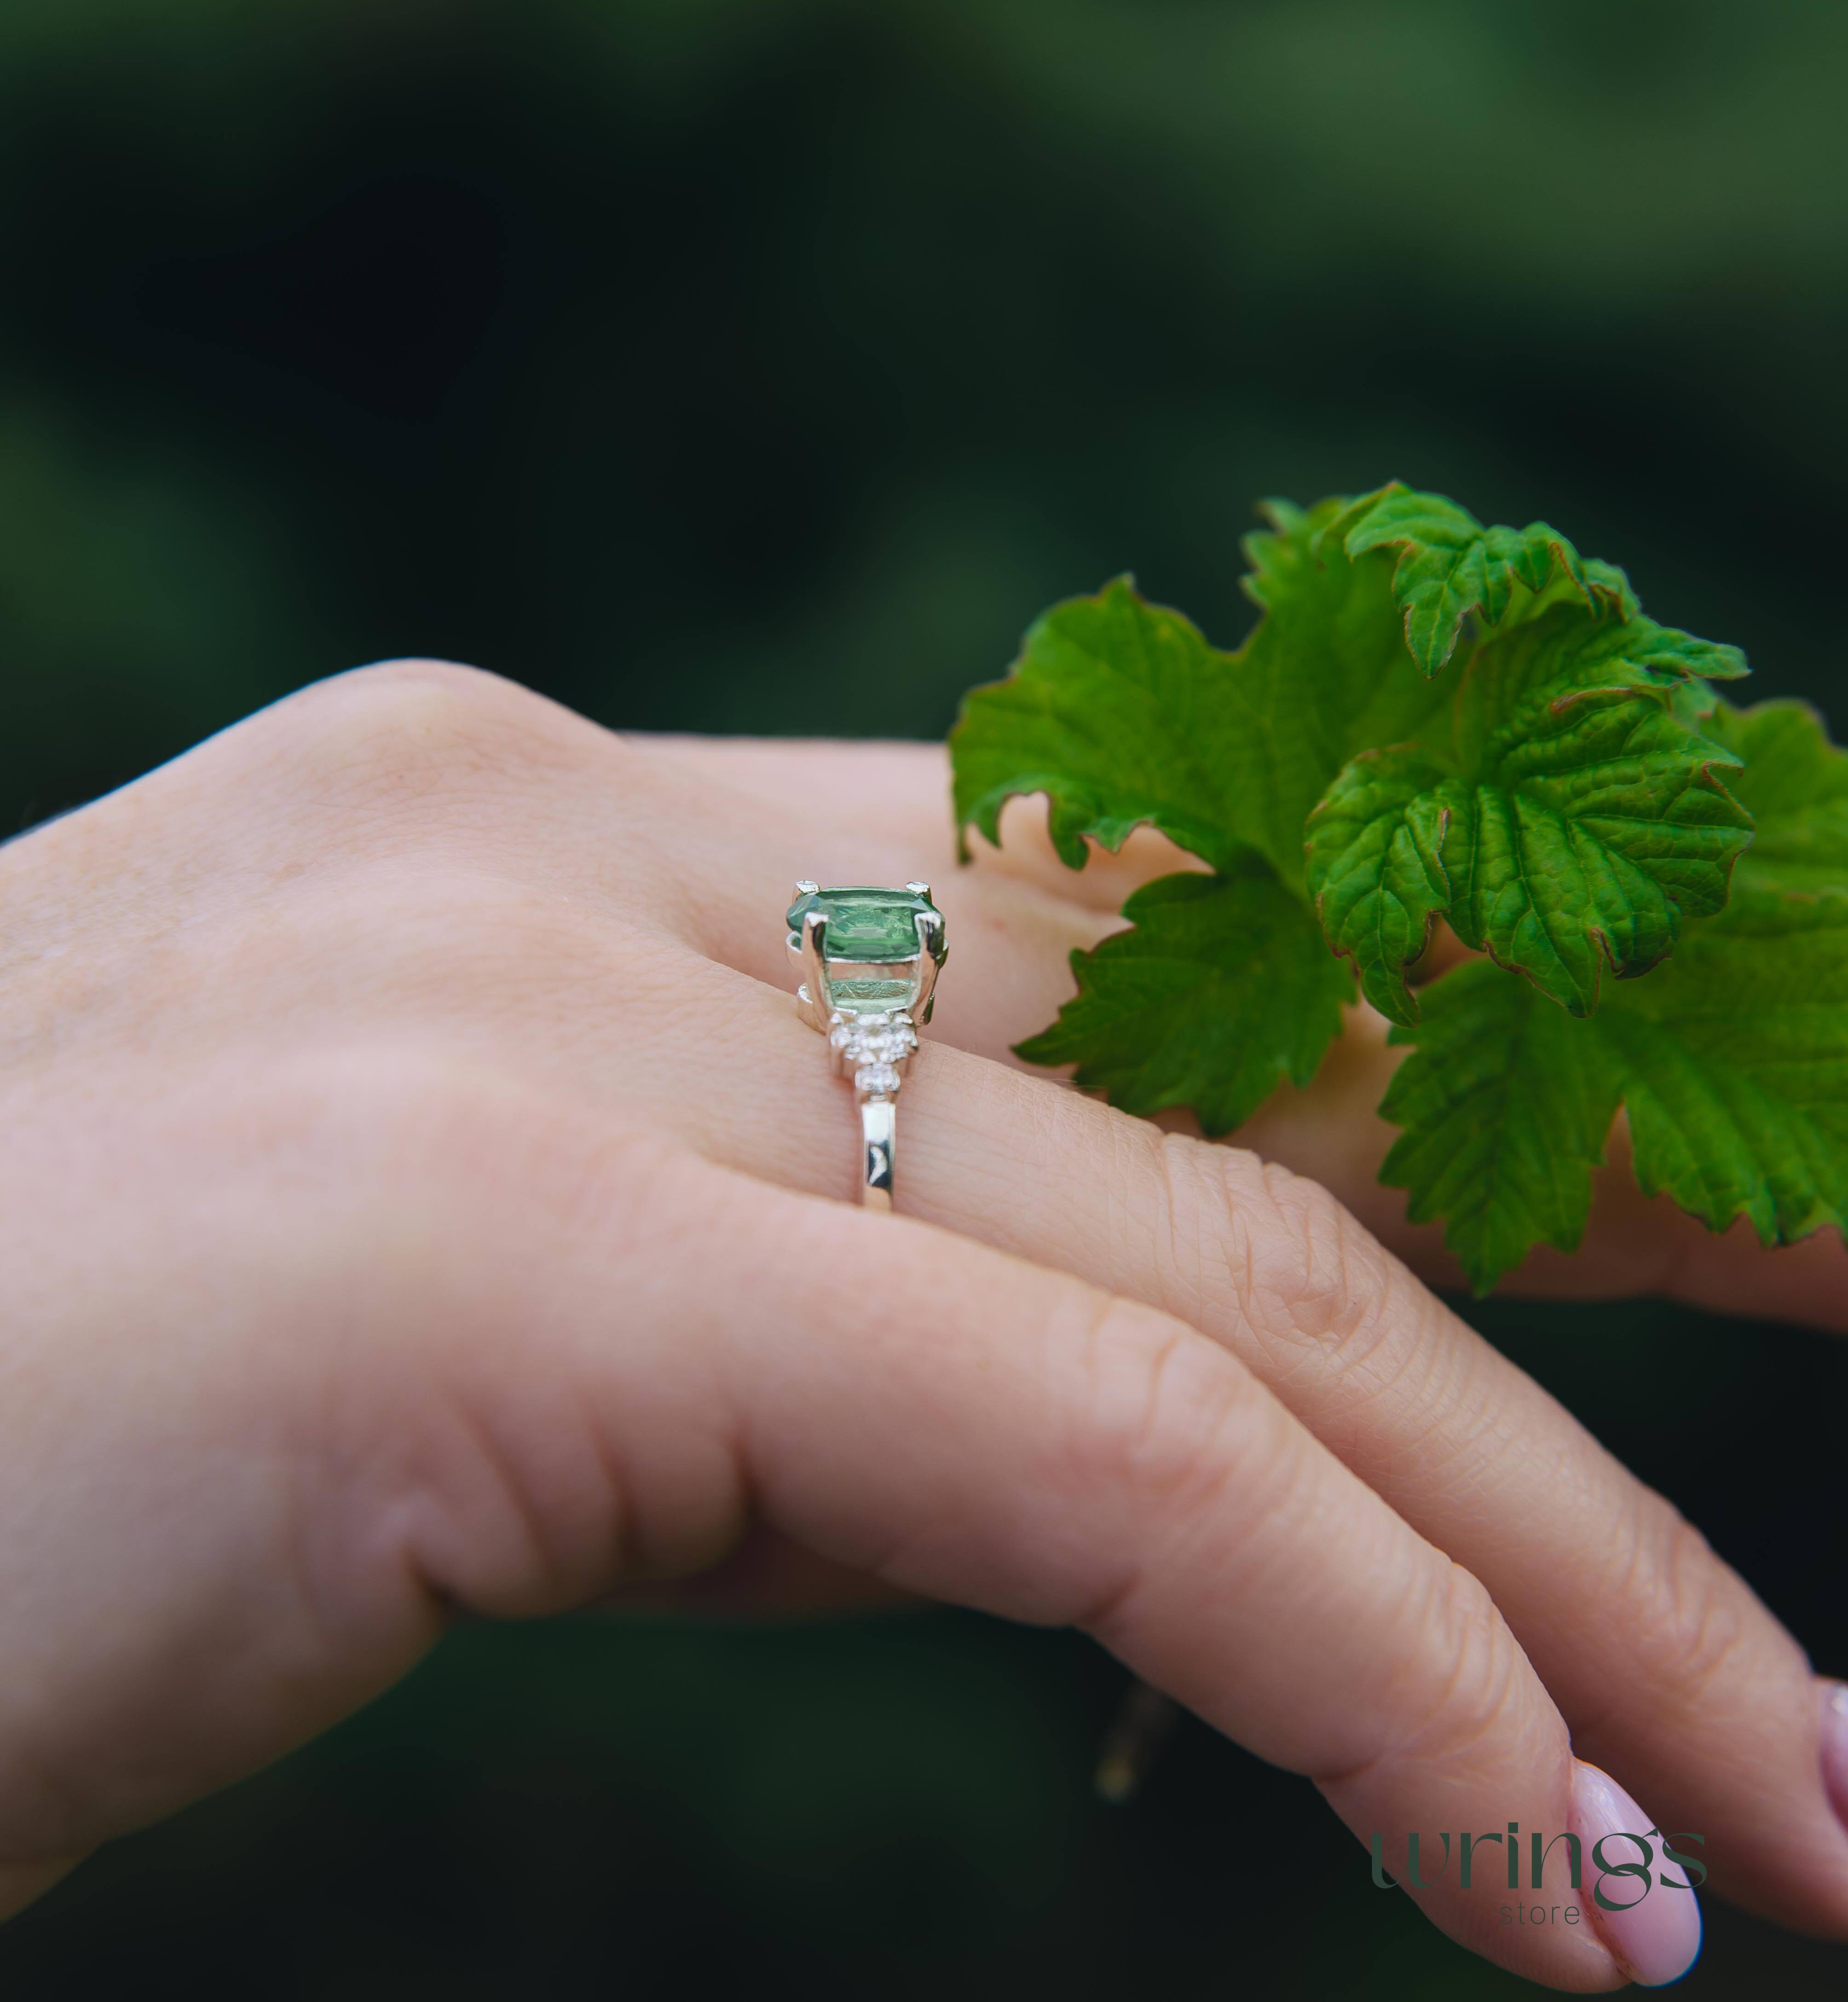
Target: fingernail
[1835, 1748]
[1656, 1938]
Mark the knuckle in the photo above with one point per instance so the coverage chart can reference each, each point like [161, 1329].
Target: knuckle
[1486, 1675]
[1158, 1398]
[1280, 1257]
[409, 736]
[1696, 1619]
[1461, 1696]
[1167, 1423]
[404, 702]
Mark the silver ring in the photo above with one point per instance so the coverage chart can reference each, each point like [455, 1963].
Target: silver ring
[869, 959]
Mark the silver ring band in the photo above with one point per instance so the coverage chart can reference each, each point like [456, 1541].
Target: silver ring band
[879, 1130]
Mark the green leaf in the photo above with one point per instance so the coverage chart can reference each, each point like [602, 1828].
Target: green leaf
[1122, 713]
[1222, 987]
[1506, 1104]
[1116, 712]
[1376, 867]
[1449, 566]
[1736, 1057]
[1731, 1062]
[1567, 824]
[1795, 787]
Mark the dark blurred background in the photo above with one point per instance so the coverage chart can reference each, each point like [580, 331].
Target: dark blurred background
[765, 365]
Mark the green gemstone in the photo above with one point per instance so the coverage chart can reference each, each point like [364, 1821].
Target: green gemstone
[873, 926]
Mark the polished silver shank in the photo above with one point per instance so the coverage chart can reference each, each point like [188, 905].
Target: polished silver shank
[871, 1045]
[879, 1131]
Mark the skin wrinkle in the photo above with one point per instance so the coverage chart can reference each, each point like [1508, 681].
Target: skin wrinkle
[328, 1543]
[1146, 1431]
[1277, 1488]
[482, 1138]
[617, 1192]
[1128, 1450]
[457, 1476]
[755, 1475]
[1141, 1226]
[1307, 1316]
[320, 1558]
[1422, 1438]
[1117, 1617]
[1700, 1640]
[1659, 1642]
[900, 1559]
[1323, 1299]
[552, 1575]
[1460, 1394]
[1182, 1274]
[1242, 1271]
[1415, 1362]
[1296, 1497]
[1482, 1698]
[1195, 1406]
[1465, 1442]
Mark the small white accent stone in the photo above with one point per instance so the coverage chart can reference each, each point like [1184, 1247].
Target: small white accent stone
[884, 1039]
[876, 1077]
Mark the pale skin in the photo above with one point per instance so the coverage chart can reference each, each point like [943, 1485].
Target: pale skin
[420, 1197]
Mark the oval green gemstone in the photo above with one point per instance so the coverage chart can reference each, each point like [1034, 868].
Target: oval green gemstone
[874, 926]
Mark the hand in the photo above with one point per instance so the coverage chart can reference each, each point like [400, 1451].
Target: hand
[413, 1177]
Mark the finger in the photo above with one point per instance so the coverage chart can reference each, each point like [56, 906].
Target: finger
[1634, 1244]
[1672, 1674]
[1014, 921]
[560, 1356]
[1675, 1677]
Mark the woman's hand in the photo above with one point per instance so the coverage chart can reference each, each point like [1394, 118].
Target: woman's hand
[416, 1187]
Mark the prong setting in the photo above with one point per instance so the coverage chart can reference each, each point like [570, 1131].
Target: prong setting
[931, 955]
[813, 951]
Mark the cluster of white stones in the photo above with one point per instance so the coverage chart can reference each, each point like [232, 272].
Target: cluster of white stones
[875, 1045]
